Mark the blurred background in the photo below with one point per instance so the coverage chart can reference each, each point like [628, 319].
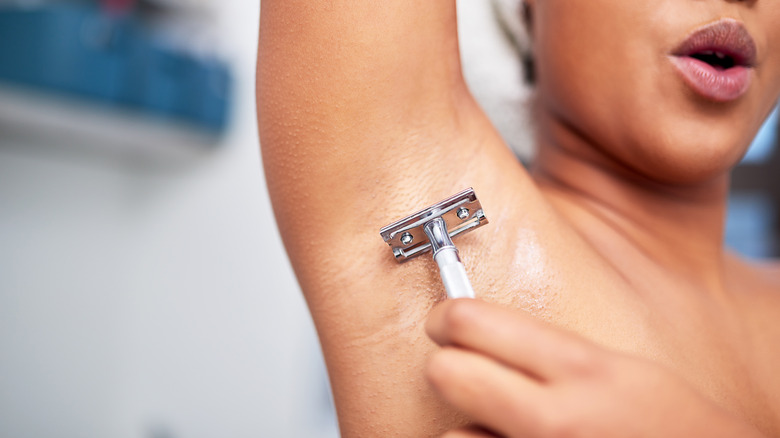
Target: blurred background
[144, 290]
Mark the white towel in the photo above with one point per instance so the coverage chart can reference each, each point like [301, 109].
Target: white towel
[492, 41]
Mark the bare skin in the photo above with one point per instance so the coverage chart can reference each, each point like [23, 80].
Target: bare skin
[616, 235]
[518, 377]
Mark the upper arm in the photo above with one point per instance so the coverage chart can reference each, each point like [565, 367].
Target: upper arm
[358, 99]
[364, 118]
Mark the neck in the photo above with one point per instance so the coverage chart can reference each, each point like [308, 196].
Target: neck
[678, 226]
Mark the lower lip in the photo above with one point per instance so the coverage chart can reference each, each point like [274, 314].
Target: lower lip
[711, 83]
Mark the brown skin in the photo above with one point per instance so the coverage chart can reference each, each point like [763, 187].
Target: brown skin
[522, 378]
[364, 117]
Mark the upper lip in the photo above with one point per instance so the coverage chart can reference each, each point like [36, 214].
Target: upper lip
[723, 38]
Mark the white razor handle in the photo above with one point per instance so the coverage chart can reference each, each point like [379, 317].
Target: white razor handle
[452, 272]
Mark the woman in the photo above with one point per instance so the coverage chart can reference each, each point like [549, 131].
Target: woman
[641, 323]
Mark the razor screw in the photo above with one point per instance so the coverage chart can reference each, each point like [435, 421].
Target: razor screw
[406, 239]
[463, 213]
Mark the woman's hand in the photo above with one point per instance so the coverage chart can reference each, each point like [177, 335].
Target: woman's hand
[518, 377]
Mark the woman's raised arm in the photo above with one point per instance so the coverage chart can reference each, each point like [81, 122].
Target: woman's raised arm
[364, 117]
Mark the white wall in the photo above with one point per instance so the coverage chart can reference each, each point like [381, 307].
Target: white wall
[149, 296]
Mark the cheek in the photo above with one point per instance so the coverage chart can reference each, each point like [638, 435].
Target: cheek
[597, 63]
[583, 47]
[768, 77]
[603, 70]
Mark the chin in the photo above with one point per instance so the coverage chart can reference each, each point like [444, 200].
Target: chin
[697, 158]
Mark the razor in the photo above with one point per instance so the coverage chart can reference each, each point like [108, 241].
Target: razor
[432, 229]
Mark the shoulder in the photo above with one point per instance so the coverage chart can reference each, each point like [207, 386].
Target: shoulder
[757, 284]
[764, 274]
[772, 268]
[769, 272]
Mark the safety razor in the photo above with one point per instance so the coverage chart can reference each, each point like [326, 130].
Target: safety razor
[432, 229]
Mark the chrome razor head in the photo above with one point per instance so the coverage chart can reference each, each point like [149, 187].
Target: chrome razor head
[462, 213]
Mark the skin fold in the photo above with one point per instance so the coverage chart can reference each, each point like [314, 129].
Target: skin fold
[609, 250]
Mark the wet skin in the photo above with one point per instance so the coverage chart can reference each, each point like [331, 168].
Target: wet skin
[615, 234]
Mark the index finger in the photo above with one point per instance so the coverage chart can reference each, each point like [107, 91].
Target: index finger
[511, 337]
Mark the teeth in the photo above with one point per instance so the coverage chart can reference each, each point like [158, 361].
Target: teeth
[719, 55]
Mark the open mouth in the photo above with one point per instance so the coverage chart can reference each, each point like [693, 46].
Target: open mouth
[716, 60]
